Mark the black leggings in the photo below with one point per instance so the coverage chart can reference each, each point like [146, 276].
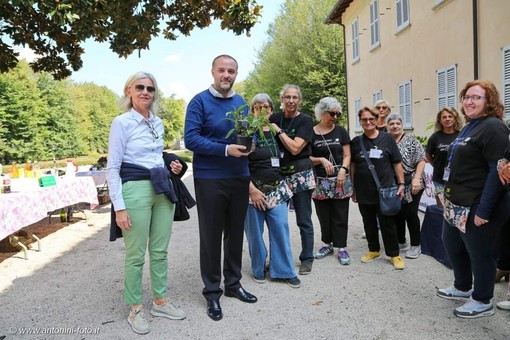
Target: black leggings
[409, 214]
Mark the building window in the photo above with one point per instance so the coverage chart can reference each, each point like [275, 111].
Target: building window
[404, 103]
[402, 14]
[376, 96]
[506, 81]
[447, 87]
[355, 40]
[374, 24]
[357, 107]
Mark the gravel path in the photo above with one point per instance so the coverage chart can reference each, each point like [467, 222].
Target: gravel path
[74, 286]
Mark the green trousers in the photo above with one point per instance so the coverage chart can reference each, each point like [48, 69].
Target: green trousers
[151, 224]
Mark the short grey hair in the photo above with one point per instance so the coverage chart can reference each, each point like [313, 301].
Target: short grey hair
[326, 104]
[290, 86]
[393, 116]
[261, 98]
[126, 103]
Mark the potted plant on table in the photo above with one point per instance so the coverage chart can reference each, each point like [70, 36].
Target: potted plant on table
[247, 126]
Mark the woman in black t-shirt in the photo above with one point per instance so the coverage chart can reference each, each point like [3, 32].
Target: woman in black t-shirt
[269, 194]
[294, 131]
[331, 157]
[475, 201]
[385, 156]
[447, 126]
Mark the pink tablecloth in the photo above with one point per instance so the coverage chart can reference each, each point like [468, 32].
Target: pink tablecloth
[19, 209]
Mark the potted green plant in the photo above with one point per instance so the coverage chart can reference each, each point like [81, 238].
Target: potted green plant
[247, 126]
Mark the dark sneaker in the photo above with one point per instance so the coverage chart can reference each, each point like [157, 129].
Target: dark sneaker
[343, 257]
[294, 282]
[324, 251]
[306, 268]
[474, 309]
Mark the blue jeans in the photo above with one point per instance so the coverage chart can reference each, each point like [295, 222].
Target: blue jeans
[472, 253]
[303, 209]
[281, 262]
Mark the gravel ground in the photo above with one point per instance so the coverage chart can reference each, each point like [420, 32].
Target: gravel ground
[72, 289]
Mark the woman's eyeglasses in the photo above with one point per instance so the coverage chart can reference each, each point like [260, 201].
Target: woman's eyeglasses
[381, 107]
[367, 120]
[290, 97]
[153, 129]
[334, 114]
[473, 98]
[140, 88]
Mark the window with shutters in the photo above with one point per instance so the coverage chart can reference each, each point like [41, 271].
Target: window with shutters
[402, 14]
[506, 81]
[374, 24]
[357, 107]
[405, 103]
[447, 87]
[376, 96]
[355, 40]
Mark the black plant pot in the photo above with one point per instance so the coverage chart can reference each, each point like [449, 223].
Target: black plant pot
[246, 141]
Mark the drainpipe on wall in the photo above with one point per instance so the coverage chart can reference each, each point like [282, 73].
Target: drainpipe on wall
[475, 39]
[346, 87]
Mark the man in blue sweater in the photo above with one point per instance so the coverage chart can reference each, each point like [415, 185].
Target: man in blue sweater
[221, 178]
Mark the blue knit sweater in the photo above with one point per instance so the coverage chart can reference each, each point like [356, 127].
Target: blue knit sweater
[204, 134]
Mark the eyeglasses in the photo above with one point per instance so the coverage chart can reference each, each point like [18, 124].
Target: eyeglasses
[333, 114]
[140, 88]
[473, 98]
[366, 120]
[153, 129]
[291, 97]
[381, 107]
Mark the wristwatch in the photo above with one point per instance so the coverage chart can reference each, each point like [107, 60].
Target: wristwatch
[346, 169]
[280, 132]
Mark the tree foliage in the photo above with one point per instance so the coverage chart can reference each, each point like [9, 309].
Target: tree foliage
[56, 29]
[172, 112]
[42, 118]
[302, 50]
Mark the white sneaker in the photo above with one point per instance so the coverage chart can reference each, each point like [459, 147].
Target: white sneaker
[504, 305]
[452, 293]
[413, 252]
[167, 310]
[474, 309]
[138, 322]
[403, 246]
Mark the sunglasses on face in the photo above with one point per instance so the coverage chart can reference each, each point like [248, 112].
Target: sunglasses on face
[140, 88]
[333, 114]
[381, 107]
[366, 120]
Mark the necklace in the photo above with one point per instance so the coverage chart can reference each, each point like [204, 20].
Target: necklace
[288, 127]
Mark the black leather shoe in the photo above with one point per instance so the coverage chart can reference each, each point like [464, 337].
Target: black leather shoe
[242, 295]
[214, 310]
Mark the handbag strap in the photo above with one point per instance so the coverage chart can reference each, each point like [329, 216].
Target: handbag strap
[331, 158]
[369, 162]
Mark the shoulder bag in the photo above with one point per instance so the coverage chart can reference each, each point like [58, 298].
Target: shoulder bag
[327, 187]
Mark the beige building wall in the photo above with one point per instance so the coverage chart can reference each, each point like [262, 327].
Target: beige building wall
[438, 36]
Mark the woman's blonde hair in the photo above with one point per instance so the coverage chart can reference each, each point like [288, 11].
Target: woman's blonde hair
[126, 103]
